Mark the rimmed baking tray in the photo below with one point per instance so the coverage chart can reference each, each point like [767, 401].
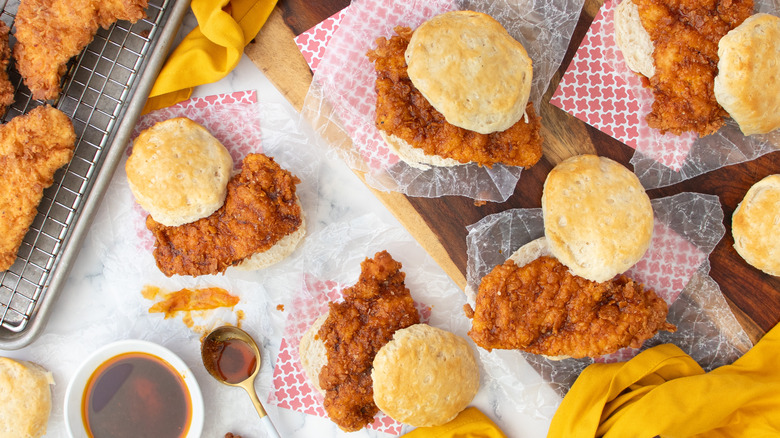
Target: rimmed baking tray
[104, 91]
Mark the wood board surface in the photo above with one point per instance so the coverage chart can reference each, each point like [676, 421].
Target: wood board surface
[439, 224]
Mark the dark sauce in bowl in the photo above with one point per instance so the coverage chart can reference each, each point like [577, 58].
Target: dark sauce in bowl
[136, 395]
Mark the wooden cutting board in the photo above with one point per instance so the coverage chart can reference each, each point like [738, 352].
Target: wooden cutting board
[439, 224]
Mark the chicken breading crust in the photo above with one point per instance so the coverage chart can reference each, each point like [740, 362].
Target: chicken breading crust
[50, 32]
[259, 210]
[32, 148]
[6, 87]
[542, 308]
[685, 34]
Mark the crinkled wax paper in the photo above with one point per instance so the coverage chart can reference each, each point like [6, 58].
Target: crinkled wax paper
[332, 262]
[599, 89]
[687, 228]
[341, 101]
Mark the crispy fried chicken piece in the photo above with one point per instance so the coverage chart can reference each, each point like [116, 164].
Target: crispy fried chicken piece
[373, 309]
[542, 308]
[401, 110]
[32, 148]
[259, 210]
[685, 34]
[6, 87]
[50, 32]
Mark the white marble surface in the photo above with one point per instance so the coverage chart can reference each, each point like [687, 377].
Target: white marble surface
[102, 303]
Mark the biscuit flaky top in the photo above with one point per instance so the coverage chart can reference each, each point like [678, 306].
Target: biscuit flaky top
[748, 81]
[471, 70]
[755, 225]
[598, 219]
[178, 171]
[425, 376]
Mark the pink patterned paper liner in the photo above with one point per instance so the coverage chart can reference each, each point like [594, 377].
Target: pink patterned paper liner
[293, 390]
[353, 74]
[224, 116]
[314, 41]
[599, 89]
[666, 267]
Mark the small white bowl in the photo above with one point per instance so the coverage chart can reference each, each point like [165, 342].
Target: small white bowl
[74, 393]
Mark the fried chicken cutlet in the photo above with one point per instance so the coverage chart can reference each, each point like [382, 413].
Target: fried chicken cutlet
[260, 208]
[32, 148]
[685, 34]
[542, 308]
[373, 309]
[6, 87]
[404, 112]
[50, 32]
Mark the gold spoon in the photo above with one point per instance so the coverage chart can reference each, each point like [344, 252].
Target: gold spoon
[232, 357]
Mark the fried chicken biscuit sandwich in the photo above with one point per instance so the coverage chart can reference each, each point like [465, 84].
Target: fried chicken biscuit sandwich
[205, 218]
[455, 91]
[564, 294]
[674, 45]
[370, 352]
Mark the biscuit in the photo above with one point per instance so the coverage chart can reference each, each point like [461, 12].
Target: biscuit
[424, 376]
[313, 353]
[755, 225]
[748, 82]
[178, 171]
[281, 250]
[415, 157]
[633, 40]
[597, 216]
[471, 70]
[25, 399]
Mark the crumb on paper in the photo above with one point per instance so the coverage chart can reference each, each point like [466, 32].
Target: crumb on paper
[280, 307]
[230, 435]
[469, 311]
[479, 203]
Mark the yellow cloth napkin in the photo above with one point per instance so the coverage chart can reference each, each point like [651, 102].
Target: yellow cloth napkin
[211, 50]
[470, 423]
[662, 391]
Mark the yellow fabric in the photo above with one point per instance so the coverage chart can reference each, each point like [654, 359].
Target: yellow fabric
[662, 391]
[211, 50]
[471, 423]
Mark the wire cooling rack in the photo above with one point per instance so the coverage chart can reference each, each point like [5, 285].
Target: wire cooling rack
[103, 93]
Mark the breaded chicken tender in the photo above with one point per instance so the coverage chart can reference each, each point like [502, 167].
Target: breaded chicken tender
[404, 112]
[50, 32]
[543, 309]
[32, 148]
[685, 34]
[259, 210]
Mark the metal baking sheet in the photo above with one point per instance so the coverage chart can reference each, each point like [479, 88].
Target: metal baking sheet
[104, 91]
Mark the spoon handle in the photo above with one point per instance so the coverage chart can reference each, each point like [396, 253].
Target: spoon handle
[264, 418]
[269, 427]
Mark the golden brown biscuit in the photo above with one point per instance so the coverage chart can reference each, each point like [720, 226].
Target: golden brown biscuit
[25, 399]
[471, 70]
[748, 82]
[178, 171]
[755, 225]
[425, 376]
[597, 217]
